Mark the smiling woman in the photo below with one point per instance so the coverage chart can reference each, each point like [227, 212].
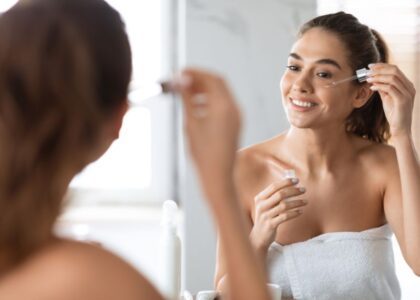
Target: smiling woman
[327, 233]
[402, 36]
[365, 120]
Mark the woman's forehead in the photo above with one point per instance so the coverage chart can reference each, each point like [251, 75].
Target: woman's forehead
[317, 44]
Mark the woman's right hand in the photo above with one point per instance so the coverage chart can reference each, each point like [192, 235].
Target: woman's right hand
[273, 207]
[212, 124]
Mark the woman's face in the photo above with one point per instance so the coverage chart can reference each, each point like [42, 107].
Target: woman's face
[317, 59]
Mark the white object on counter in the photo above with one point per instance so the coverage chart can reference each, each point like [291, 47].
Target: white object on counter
[186, 295]
[170, 253]
[207, 295]
[274, 290]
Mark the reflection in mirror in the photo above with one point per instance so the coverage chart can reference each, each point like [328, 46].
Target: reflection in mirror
[398, 23]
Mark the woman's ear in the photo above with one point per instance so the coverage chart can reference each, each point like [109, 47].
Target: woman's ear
[117, 120]
[110, 132]
[363, 95]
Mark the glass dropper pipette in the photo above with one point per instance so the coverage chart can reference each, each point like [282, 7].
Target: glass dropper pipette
[361, 76]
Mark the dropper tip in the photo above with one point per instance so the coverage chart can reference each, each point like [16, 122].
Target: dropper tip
[330, 85]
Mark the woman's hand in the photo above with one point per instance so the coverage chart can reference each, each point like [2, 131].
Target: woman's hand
[397, 94]
[212, 123]
[273, 207]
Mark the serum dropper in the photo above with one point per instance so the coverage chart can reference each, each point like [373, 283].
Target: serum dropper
[361, 76]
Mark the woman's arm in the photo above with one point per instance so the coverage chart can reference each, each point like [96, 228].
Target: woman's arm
[409, 169]
[402, 200]
[212, 124]
[402, 195]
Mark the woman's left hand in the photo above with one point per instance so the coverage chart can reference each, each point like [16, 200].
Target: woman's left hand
[397, 94]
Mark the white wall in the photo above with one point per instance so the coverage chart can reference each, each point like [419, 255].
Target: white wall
[248, 42]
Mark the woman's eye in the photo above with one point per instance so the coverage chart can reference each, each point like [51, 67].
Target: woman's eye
[324, 74]
[293, 68]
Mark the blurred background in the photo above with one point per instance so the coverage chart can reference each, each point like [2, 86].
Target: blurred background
[117, 200]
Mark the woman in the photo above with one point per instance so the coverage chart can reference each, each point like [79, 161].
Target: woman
[65, 66]
[327, 235]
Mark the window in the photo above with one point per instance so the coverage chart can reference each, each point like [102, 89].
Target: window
[139, 166]
[6, 4]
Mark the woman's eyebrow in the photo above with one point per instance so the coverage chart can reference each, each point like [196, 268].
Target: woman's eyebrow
[323, 61]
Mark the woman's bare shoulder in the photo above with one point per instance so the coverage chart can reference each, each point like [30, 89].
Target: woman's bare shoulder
[255, 165]
[382, 154]
[379, 159]
[255, 157]
[74, 270]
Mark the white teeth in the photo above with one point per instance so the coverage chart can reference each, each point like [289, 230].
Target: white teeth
[302, 103]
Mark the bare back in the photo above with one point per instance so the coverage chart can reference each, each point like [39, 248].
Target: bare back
[72, 270]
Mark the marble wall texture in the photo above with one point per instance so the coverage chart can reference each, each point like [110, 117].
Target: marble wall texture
[248, 42]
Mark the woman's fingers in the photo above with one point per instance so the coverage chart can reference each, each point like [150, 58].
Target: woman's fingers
[286, 216]
[274, 187]
[278, 196]
[212, 123]
[388, 89]
[273, 206]
[392, 81]
[205, 94]
[388, 79]
[286, 205]
[387, 73]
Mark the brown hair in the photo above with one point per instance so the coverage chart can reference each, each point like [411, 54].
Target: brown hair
[364, 46]
[65, 66]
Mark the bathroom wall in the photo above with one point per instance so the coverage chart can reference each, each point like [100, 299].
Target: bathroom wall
[248, 42]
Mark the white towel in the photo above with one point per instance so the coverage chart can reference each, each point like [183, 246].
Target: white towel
[337, 265]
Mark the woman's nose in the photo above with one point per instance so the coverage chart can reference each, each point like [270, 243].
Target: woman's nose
[302, 84]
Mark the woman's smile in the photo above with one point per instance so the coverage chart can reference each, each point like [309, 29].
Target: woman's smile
[302, 104]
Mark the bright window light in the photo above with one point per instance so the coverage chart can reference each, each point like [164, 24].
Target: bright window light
[139, 166]
[6, 4]
[127, 164]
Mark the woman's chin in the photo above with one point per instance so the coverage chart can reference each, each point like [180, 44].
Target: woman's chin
[301, 124]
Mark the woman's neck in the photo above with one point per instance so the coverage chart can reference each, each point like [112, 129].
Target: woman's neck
[317, 151]
[11, 264]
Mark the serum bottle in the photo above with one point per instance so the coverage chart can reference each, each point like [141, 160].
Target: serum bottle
[170, 253]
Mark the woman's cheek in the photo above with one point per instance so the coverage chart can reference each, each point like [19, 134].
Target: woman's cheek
[285, 84]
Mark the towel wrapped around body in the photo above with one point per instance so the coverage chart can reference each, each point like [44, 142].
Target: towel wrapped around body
[337, 265]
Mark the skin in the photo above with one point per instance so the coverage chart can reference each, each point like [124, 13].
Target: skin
[350, 183]
[65, 269]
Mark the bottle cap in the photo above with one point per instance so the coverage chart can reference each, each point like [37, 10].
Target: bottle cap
[289, 174]
[170, 211]
[362, 74]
